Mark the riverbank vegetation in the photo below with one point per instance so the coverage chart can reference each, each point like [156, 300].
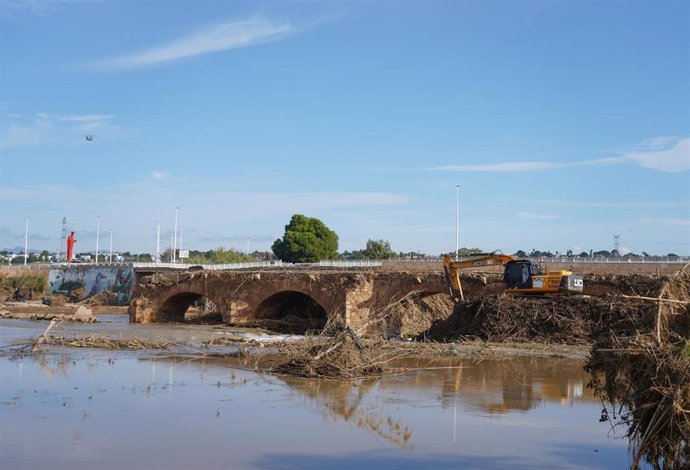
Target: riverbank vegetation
[22, 286]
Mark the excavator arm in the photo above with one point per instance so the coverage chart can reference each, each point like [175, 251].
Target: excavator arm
[452, 269]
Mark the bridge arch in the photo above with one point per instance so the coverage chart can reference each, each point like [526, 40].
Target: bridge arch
[291, 311]
[188, 306]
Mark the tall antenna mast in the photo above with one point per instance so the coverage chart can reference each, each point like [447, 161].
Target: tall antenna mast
[158, 242]
[63, 238]
[616, 243]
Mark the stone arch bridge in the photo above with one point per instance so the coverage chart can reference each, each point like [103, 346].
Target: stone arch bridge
[245, 296]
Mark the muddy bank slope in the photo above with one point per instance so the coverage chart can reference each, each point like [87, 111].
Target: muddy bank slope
[626, 305]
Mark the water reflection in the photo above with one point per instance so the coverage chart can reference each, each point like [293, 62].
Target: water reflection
[53, 365]
[86, 406]
[484, 386]
[342, 400]
[499, 386]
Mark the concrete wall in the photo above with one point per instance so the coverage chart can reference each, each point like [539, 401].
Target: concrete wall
[115, 279]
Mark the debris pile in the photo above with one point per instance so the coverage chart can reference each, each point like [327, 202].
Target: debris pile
[627, 284]
[646, 387]
[291, 324]
[343, 356]
[104, 298]
[644, 380]
[566, 320]
[106, 343]
[81, 315]
[55, 300]
[627, 305]
[410, 317]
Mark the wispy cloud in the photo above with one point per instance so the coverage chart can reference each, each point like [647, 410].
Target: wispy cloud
[536, 216]
[45, 128]
[9, 235]
[667, 222]
[40, 131]
[89, 118]
[615, 205]
[220, 37]
[160, 175]
[668, 154]
[527, 166]
[37, 7]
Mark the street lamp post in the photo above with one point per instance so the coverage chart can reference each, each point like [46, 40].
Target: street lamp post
[26, 241]
[457, 220]
[179, 245]
[158, 242]
[98, 234]
[174, 257]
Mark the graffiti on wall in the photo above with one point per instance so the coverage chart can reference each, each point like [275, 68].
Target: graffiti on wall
[116, 281]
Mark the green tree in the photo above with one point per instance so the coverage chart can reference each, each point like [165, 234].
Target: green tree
[379, 249]
[306, 240]
[464, 251]
[357, 254]
[521, 254]
[541, 254]
[225, 256]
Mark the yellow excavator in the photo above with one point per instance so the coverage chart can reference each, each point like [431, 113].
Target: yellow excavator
[520, 276]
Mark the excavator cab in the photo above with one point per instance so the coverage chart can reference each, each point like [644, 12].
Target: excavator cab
[518, 274]
[524, 278]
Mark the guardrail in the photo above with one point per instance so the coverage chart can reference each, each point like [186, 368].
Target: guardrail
[348, 263]
[367, 263]
[212, 267]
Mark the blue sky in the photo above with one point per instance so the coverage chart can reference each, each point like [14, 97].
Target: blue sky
[564, 122]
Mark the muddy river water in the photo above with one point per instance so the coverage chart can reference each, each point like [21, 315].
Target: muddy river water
[88, 408]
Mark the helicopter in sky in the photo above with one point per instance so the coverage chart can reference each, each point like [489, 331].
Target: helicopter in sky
[89, 137]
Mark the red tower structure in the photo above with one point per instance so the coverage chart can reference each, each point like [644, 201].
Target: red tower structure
[70, 246]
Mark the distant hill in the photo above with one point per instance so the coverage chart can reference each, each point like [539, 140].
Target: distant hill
[20, 249]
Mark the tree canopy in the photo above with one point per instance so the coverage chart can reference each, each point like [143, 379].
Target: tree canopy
[220, 255]
[306, 240]
[464, 251]
[379, 249]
